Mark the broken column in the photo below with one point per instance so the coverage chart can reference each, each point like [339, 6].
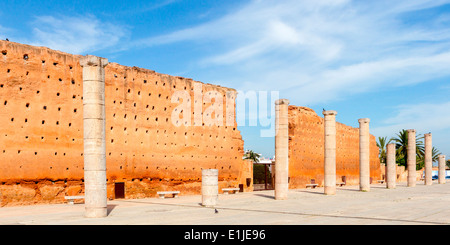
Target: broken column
[428, 159]
[330, 152]
[391, 167]
[210, 187]
[281, 149]
[411, 155]
[364, 155]
[94, 135]
[441, 174]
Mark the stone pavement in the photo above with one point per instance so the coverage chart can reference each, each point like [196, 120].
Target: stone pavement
[420, 205]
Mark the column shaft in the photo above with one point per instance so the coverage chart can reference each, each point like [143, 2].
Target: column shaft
[281, 149]
[442, 172]
[330, 152]
[411, 155]
[210, 187]
[391, 168]
[94, 135]
[364, 155]
[428, 159]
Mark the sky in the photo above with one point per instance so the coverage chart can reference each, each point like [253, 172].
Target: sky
[384, 60]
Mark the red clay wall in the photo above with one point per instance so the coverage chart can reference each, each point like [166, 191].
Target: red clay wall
[306, 150]
[41, 131]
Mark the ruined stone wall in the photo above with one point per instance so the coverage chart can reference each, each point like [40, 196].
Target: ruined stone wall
[306, 150]
[402, 173]
[41, 130]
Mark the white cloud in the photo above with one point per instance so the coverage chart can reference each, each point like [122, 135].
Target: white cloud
[424, 118]
[75, 35]
[314, 51]
[363, 77]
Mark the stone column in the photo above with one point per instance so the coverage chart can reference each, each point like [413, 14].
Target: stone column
[330, 152]
[281, 149]
[94, 135]
[428, 159]
[391, 168]
[442, 172]
[210, 187]
[411, 155]
[364, 154]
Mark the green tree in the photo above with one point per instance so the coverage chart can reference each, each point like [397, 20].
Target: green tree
[401, 142]
[435, 154]
[381, 143]
[434, 157]
[252, 156]
[401, 145]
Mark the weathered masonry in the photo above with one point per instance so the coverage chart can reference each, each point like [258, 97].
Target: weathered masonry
[306, 151]
[41, 131]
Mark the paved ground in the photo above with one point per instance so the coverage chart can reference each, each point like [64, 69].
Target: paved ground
[381, 206]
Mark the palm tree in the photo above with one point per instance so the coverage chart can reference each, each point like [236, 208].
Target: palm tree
[381, 143]
[435, 154]
[401, 144]
[434, 157]
[252, 156]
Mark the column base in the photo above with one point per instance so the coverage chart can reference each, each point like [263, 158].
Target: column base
[281, 198]
[210, 200]
[328, 190]
[96, 212]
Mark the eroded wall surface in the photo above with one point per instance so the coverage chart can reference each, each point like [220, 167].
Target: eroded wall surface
[306, 150]
[41, 130]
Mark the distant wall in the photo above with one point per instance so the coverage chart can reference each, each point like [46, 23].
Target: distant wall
[306, 150]
[402, 173]
[41, 130]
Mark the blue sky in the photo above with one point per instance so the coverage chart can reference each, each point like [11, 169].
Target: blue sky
[385, 60]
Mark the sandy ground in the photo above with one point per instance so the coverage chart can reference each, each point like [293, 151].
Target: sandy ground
[420, 205]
